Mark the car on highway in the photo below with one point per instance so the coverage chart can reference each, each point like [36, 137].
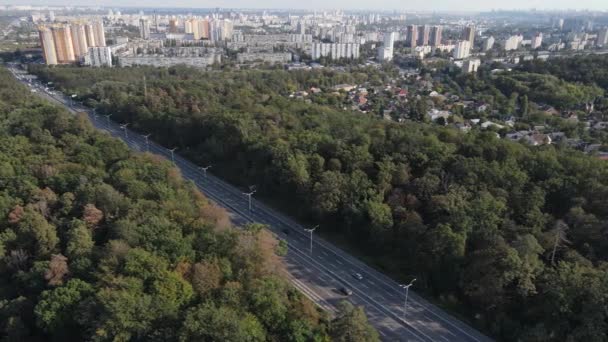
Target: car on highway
[346, 291]
[358, 276]
[286, 231]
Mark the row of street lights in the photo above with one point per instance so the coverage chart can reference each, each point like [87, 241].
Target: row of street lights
[249, 195]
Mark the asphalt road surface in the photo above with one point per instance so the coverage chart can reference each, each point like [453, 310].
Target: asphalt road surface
[319, 274]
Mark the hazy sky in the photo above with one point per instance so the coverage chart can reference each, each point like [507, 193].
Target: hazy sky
[440, 5]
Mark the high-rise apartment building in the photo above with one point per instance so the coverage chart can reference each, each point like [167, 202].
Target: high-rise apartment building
[436, 35]
[69, 43]
[423, 35]
[173, 25]
[462, 49]
[99, 56]
[537, 41]
[48, 45]
[385, 52]
[513, 42]
[412, 35]
[79, 39]
[335, 50]
[468, 34]
[144, 28]
[63, 44]
[99, 33]
[88, 32]
[602, 37]
[488, 43]
[301, 27]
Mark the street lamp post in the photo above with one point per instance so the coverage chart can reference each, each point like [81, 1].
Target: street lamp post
[311, 230]
[173, 154]
[124, 128]
[72, 100]
[147, 142]
[249, 194]
[407, 291]
[205, 168]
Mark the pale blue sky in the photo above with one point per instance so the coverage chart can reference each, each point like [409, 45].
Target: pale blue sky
[438, 5]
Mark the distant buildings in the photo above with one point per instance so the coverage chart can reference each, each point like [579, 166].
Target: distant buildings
[488, 44]
[468, 34]
[462, 49]
[385, 52]
[269, 57]
[335, 50]
[144, 28]
[412, 35]
[513, 42]
[423, 35]
[436, 35]
[602, 37]
[69, 42]
[471, 65]
[48, 45]
[537, 41]
[99, 56]
[209, 29]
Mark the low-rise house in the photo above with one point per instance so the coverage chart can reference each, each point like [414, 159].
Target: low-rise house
[487, 124]
[601, 125]
[537, 139]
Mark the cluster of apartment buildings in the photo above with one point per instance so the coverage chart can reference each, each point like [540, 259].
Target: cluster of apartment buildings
[211, 29]
[78, 41]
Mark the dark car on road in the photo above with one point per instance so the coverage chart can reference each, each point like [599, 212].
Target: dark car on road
[346, 291]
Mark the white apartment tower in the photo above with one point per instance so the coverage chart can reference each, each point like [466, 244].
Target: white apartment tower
[462, 49]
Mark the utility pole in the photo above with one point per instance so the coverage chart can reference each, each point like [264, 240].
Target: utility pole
[205, 169]
[147, 142]
[173, 154]
[407, 291]
[249, 194]
[124, 128]
[108, 119]
[311, 230]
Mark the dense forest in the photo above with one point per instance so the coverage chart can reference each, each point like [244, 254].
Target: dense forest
[98, 243]
[589, 69]
[512, 236]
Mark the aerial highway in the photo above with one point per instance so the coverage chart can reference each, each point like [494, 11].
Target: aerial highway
[320, 270]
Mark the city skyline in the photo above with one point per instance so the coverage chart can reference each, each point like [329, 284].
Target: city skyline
[416, 5]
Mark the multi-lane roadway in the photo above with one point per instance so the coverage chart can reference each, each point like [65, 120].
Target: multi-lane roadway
[320, 274]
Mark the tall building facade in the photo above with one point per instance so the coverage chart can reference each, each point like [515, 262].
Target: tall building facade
[144, 28]
[99, 33]
[436, 32]
[423, 35]
[537, 41]
[69, 43]
[462, 49]
[513, 42]
[386, 52]
[79, 39]
[63, 44]
[468, 34]
[488, 44]
[602, 37]
[335, 50]
[48, 45]
[99, 56]
[412, 35]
